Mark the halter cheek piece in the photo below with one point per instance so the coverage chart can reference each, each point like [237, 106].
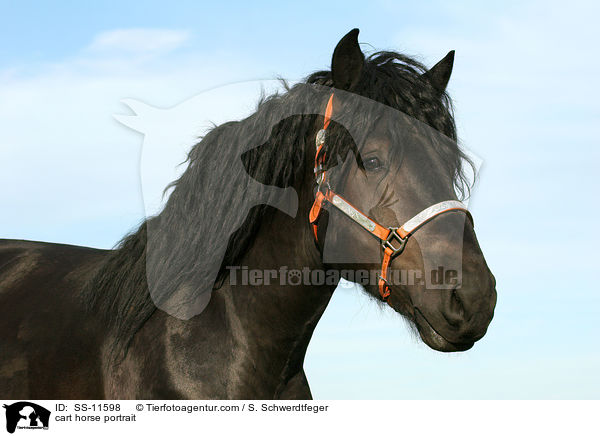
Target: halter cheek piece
[392, 239]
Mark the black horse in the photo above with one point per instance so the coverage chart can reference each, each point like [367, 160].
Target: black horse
[138, 321]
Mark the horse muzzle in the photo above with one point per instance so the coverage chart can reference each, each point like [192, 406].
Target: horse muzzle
[456, 319]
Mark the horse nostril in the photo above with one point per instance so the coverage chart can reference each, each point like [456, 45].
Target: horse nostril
[455, 310]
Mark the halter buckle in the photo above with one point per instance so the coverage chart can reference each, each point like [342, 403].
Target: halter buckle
[388, 242]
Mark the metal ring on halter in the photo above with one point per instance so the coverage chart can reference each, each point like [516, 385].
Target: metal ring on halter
[320, 179]
[379, 277]
[387, 243]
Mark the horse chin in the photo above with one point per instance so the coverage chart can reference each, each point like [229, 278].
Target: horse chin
[435, 340]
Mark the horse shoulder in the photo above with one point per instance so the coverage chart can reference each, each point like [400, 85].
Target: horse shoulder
[45, 330]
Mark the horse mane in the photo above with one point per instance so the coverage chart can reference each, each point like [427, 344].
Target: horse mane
[119, 292]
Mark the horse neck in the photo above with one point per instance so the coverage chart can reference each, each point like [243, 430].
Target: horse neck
[268, 327]
[281, 317]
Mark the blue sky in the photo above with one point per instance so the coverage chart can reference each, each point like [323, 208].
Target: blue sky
[526, 97]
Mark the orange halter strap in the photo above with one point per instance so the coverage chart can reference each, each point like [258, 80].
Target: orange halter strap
[392, 239]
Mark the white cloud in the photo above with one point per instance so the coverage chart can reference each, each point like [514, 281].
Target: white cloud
[65, 163]
[139, 40]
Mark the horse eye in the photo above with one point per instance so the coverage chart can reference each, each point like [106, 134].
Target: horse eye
[372, 164]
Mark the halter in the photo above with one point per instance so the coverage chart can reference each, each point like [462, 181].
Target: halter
[392, 239]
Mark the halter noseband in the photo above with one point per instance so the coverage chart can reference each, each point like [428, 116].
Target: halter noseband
[392, 239]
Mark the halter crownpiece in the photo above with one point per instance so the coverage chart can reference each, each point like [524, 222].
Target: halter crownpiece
[392, 239]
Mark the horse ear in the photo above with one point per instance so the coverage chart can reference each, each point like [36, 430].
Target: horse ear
[347, 62]
[439, 75]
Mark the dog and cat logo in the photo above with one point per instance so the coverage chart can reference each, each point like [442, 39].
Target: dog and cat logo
[26, 415]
